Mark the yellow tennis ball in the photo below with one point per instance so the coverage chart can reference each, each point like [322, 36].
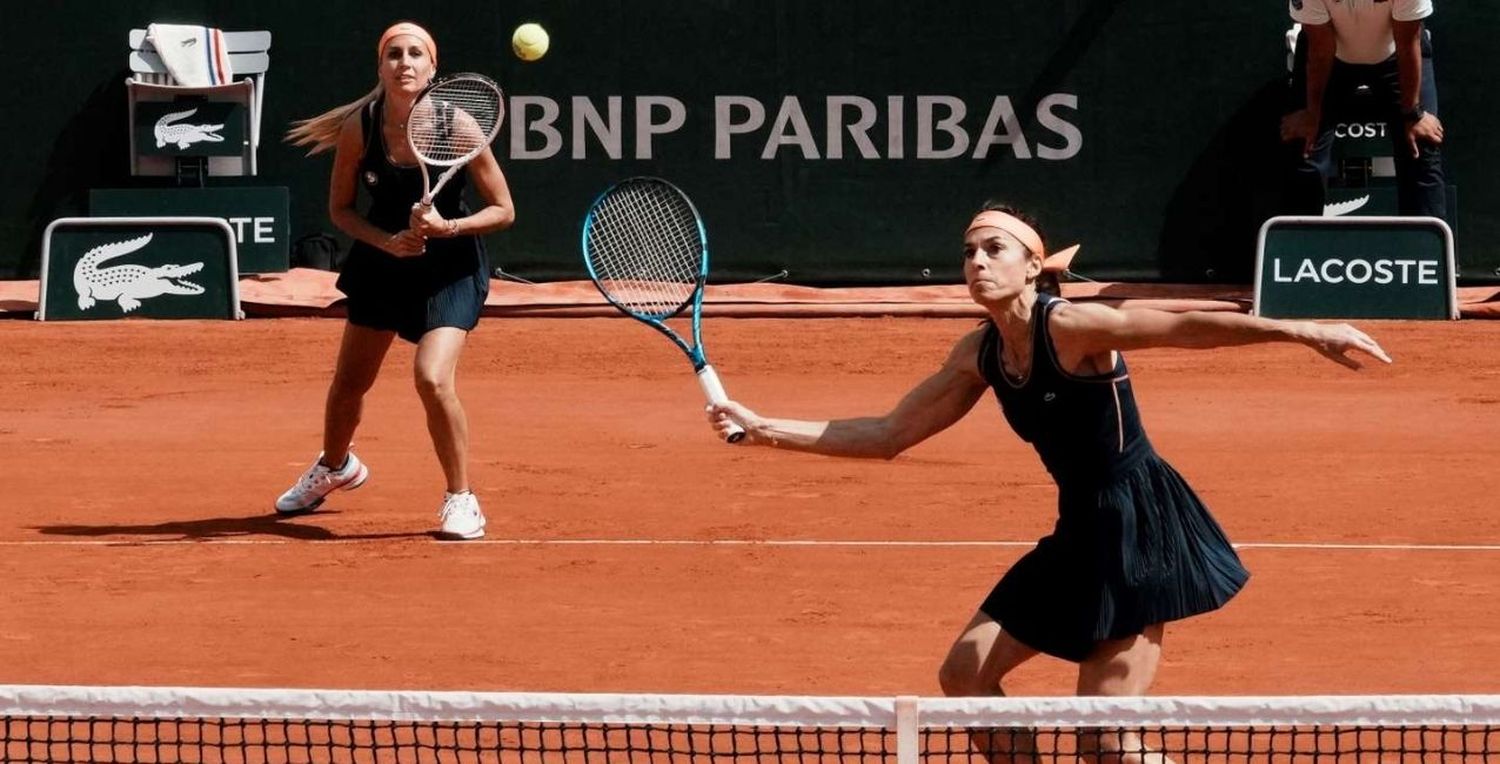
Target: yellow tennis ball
[529, 42]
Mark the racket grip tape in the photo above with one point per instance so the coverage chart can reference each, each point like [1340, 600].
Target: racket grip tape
[713, 389]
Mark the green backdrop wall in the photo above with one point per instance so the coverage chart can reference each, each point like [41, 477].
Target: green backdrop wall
[1144, 131]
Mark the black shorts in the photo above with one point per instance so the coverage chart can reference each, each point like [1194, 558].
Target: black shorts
[412, 296]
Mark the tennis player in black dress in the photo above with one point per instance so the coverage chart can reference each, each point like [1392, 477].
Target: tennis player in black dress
[417, 273]
[1133, 546]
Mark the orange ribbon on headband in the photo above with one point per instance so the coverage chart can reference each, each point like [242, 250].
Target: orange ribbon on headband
[1058, 262]
[1025, 234]
[406, 27]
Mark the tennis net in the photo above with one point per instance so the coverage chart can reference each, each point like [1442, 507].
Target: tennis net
[164, 724]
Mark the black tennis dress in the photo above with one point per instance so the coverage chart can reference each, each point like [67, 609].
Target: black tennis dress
[446, 286]
[1133, 545]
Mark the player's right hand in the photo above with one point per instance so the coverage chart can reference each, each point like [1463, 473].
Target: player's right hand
[406, 243]
[723, 415]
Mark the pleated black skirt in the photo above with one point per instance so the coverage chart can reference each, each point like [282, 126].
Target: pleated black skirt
[414, 295]
[1139, 550]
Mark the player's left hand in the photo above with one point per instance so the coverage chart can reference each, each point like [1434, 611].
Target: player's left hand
[406, 243]
[1428, 129]
[1335, 340]
[427, 222]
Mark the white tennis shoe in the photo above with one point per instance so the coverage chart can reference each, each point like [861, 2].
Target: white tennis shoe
[320, 480]
[461, 516]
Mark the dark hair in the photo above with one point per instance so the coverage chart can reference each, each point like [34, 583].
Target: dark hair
[1047, 282]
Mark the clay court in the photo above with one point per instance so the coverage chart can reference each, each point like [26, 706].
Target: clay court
[630, 551]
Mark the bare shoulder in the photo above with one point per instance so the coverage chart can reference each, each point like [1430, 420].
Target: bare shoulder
[964, 356]
[1082, 316]
[1083, 335]
[353, 126]
[351, 143]
[970, 342]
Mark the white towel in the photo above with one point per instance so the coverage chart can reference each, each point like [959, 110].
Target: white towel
[194, 55]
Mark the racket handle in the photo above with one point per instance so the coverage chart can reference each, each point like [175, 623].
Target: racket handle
[708, 379]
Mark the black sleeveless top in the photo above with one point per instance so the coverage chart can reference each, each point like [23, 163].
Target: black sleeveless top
[395, 188]
[392, 190]
[1133, 545]
[1086, 429]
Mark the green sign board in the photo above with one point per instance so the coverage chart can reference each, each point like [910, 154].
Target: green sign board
[258, 214]
[162, 267]
[190, 128]
[1355, 267]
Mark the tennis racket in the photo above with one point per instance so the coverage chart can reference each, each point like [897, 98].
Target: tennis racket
[452, 121]
[646, 250]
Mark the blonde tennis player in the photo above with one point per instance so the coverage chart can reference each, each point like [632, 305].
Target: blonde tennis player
[413, 272]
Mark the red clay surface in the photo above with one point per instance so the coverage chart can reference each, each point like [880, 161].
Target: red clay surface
[113, 435]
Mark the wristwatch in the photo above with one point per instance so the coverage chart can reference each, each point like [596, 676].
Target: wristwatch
[1415, 115]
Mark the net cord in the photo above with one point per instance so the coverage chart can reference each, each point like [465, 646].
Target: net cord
[816, 711]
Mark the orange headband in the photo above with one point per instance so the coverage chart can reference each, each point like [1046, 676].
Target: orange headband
[1011, 225]
[406, 27]
[1055, 263]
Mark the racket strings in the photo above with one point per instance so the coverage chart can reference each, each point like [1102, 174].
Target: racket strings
[454, 120]
[646, 249]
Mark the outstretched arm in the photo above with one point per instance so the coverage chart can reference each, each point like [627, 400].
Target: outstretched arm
[931, 407]
[1090, 329]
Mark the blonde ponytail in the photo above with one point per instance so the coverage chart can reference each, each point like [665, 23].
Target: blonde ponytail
[321, 133]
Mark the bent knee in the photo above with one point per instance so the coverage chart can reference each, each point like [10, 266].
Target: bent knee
[958, 680]
[434, 387]
[349, 386]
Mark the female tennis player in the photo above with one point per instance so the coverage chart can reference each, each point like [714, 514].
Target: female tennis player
[413, 272]
[1133, 547]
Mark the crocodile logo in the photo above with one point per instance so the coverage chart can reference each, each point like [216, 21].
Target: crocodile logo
[128, 284]
[169, 130]
[1338, 209]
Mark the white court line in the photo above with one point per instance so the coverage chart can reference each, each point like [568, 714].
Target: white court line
[718, 542]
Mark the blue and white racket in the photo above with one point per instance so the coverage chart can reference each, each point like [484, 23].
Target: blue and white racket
[647, 252]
